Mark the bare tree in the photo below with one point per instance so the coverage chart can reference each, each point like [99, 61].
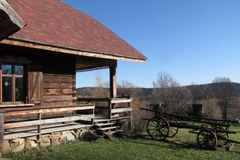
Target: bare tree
[168, 92]
[128, 88]
[100, 91]
[223, 90]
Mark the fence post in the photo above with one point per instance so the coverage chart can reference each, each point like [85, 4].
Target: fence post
[1, 130]
[39, 126]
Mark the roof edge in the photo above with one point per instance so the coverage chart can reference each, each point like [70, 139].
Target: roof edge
[67, 50]
[13, 15]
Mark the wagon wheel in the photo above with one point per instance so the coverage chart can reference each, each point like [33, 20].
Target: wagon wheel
[222, 136]
[158, 128]
[172, 120]
[207, 139]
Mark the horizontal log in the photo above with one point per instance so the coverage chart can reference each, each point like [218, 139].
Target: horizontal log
[57, 85]
[57, 92]
[58, 104]
[61, 98]
[58, 75]
[57, 79]
[48, 110]
[69, 75]
[47, 121]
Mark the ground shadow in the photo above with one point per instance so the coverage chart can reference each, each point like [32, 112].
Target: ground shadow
[173, 144]
[170, 143]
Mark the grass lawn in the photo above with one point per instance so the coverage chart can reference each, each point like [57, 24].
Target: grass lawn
[131, 148]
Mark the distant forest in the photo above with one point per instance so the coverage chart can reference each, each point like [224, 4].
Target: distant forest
[201, 91]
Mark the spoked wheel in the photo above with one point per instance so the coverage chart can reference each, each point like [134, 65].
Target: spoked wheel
[222, 136]
[158, 128]
[207, 139]
[172, 120]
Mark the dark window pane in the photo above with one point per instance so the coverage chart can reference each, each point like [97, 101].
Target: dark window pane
[6, 69]
[7, 89]
[19, 96]
[19, 70]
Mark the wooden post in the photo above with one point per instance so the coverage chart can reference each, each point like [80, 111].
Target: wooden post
[1, 130]
[113, 82]
[113, 89]
[39, 126]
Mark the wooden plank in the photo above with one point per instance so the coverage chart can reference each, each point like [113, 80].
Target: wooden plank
[107, 128]
[119, 110]
[65, 128]
[16, 105]
[48, 121]
[1, 130]
[57, 104]
[20, 135]
[48, 110]
[121, 100]
[33, 128]
[37, 107]
[48, 92]
[49, 75]
[57, 78]
[57, 85]
[60, 98]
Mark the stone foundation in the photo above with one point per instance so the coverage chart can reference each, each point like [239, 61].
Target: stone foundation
[53, 139]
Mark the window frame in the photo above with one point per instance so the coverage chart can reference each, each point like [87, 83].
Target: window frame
[14, 76]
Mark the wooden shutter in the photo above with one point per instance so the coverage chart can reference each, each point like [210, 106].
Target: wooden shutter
[35, 87]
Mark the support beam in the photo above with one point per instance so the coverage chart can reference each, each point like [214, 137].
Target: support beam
[113, 82]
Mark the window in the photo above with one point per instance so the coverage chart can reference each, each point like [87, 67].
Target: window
[13, 83]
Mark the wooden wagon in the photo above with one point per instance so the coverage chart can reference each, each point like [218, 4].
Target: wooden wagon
[211, 133]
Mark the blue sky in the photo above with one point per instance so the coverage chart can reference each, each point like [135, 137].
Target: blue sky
[192, 40]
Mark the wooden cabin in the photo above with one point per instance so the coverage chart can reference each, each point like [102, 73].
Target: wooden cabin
[38, 66]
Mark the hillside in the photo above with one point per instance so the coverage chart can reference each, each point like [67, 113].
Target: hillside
[198, 90]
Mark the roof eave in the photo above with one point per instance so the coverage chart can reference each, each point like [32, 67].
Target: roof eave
[12, 23]
[67, 50]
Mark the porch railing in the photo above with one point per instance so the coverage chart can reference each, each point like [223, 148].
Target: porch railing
[116, 107]
[43, 121]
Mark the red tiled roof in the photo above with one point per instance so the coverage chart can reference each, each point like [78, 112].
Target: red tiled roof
[54, 23]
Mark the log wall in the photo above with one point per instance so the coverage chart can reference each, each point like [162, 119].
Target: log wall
[50, 77]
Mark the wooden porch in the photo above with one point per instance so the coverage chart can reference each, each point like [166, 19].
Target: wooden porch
[28, 120]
